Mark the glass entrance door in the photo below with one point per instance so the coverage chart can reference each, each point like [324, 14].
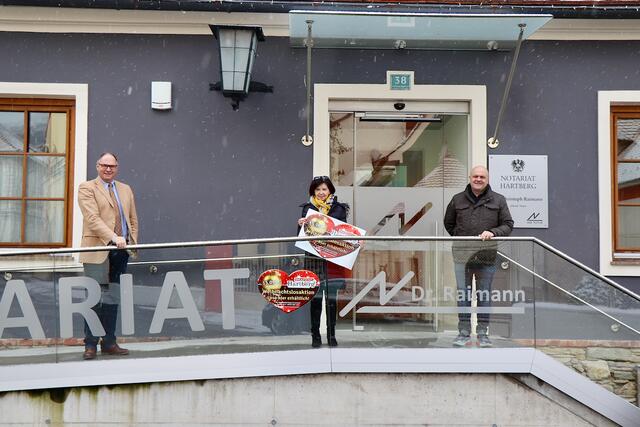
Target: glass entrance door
[398, 171]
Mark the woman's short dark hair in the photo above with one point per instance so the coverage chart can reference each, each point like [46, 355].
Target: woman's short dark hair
[317, 181]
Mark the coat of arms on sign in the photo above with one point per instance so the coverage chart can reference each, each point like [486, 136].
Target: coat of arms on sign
[517, 165]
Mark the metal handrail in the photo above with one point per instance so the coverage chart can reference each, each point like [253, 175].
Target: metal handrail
[192, 244]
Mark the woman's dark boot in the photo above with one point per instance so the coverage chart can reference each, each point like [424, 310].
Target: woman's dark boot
[331, 322]
[316, 311]
[316, 341]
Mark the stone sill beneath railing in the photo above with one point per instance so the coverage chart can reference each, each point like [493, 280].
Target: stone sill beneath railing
[50, 342]
[577, 343]
[564, 343]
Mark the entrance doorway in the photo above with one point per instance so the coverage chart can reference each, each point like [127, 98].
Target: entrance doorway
[398, 170]
[398, 160]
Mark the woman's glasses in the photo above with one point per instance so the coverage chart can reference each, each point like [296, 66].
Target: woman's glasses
[321, 178]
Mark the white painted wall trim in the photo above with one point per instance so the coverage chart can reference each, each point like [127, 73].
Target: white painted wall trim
[605, 100]
[475, 95]
[342, 360]
[70, 20]
[80, 93]
[589, 29]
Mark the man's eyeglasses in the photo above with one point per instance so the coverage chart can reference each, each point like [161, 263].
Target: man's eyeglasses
[105, 166]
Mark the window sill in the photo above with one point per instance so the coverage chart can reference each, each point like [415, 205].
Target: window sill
[626, 261]
[42, 263]
[625, 258]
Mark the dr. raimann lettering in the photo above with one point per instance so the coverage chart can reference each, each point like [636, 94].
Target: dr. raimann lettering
[453, 294]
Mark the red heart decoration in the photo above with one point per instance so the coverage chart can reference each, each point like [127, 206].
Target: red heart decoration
[288, 292]
[338, 248]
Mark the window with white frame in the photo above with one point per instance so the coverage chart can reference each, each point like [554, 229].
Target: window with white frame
[43, 149]
[619, 182]
[625, 156]
[35, 152]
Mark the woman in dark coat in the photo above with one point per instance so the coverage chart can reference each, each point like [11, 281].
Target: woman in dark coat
[322, 198]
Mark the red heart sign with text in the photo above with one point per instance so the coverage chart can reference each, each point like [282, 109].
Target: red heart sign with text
[288, 292]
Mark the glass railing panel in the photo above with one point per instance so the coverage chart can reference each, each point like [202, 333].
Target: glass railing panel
[587, 324]
[254, 297]
[192, 301]
[586, 287]
[567, 279]
[406, 294]
[29, 312]
[383, 301]
[514, 293]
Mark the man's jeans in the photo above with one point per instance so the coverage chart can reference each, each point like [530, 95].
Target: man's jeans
[484, 276]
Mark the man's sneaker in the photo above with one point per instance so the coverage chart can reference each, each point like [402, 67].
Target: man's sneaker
[484, 341]
[461, 340]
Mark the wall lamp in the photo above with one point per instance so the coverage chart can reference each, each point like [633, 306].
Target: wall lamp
[237, 54]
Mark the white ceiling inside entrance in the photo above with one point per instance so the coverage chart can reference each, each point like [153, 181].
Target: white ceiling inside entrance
[374, 30]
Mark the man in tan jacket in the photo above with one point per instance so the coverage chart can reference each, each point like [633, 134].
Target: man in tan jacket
[109, 218]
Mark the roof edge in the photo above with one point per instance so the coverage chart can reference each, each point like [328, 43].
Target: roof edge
[567, 10]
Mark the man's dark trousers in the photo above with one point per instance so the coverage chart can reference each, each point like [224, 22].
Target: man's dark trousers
[108, 313]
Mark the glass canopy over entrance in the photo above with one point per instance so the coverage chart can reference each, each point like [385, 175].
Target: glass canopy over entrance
[375, 30]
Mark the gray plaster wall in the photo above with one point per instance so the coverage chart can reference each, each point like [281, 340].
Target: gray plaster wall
[203, 171]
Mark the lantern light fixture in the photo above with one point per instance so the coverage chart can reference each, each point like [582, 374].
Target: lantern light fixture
[237, 47]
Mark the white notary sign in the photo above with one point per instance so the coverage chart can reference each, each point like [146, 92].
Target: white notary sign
[523, 181]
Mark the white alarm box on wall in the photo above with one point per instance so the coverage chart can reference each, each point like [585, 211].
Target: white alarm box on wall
[161, 95]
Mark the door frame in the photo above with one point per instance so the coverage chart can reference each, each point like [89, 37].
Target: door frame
[474, 95]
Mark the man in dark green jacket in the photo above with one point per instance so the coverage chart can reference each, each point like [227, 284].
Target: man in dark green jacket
[477, 211]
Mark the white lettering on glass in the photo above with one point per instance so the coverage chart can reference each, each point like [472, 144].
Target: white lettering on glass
[29, 318]
[226, 277]
[175, 280]
[68, 307]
